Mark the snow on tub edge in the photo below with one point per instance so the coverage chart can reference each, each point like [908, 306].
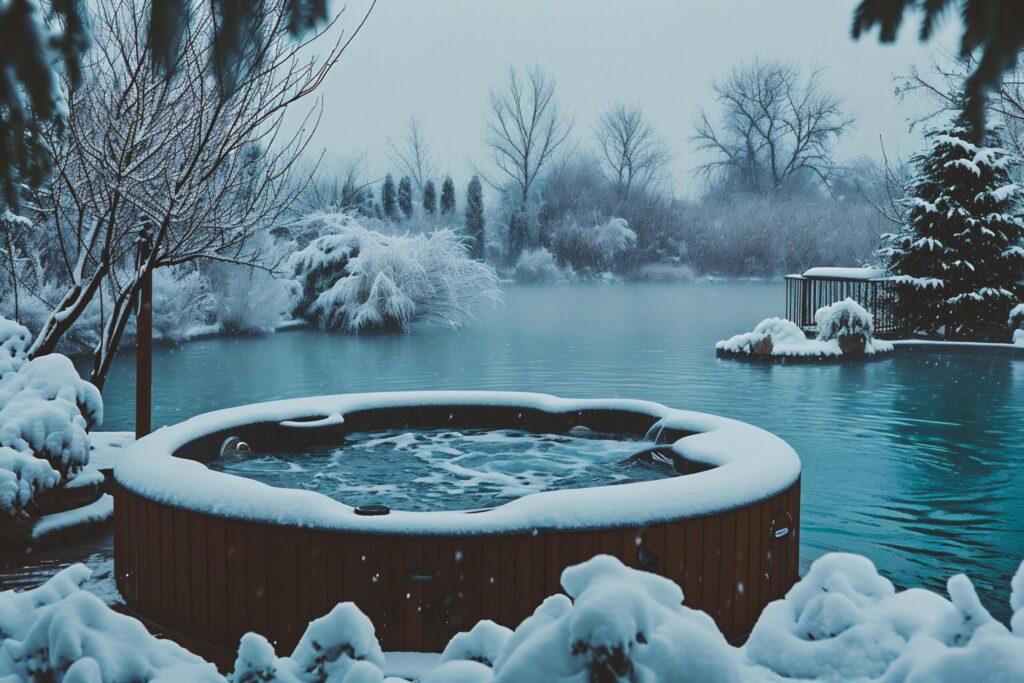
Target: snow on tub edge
[750, 465]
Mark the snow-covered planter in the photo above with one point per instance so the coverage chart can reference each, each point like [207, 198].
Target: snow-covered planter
[844, 329]
[845, 321]
[1016, 322]
[355, 280]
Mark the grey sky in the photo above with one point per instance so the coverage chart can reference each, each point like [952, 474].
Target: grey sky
[437, 60]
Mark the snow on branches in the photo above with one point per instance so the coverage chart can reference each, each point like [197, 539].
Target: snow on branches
[357, 280]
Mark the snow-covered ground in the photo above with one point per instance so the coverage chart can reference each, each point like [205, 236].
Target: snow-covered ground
[842, 622]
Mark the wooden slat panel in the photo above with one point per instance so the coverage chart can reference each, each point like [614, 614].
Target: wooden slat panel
[490, 605]
[675, 554]
[236, 579]
[256, 552]
[525, 600]
[319, 604]
[411, 592]
[182, 570]
[728, 580]
[435, 592]
[757, 562]
[336, 570]
[693, 591]
[711, 556]
[303, 572]
[472, 559]
[199, 580]
[167, 566]
[552, 570]
[506, 581]
[743, 572]
[654, 541]
[216, 543]
[154, 589]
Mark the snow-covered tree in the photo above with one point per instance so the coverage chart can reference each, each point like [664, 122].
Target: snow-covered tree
[475, 217]
[959, 259]
[592, 249]
[429, 198]
[405, 196]
[447, 196]
[387, 197]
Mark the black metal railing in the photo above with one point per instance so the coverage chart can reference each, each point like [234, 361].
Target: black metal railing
[806, 294]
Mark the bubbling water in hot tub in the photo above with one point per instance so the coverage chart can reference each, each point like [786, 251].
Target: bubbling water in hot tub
[446, 469]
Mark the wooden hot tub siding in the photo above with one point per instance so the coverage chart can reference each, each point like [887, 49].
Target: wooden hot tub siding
[213, 579]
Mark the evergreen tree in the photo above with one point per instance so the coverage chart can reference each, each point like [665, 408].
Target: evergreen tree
[518, 235]
[429, 198]
[387, 197]
[958, 261]
[405, 196]
[447, 196]
[475, 217]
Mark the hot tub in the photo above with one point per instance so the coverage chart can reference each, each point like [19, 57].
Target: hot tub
[206, 556]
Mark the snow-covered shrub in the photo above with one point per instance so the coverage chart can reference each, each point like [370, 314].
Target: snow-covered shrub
[1016, 321]
[22, 477]
[536, 266]
[46, 409]
[845, 622]
[249, 300]
[844, 319]
[483, 643]
[623, 624]
[592, 249]
[358, 280]
[769, 335]
[182, 303]
[58, 632]
[665, 271]
[14, 342]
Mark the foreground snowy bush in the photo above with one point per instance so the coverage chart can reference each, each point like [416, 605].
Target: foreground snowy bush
[842, 622]
[354, 279]
[46, 410]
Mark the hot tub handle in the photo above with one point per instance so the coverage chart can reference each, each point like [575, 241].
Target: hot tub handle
[421, 575]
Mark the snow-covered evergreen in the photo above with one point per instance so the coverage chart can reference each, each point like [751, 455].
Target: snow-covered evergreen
[959, 259]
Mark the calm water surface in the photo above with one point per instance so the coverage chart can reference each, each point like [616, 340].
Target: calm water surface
[916, 460]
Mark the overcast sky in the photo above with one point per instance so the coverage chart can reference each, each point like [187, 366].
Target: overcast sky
[437, 59]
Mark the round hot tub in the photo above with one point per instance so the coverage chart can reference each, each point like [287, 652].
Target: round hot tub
[205, 555]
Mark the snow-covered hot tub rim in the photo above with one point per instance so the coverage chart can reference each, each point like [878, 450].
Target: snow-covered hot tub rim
[749, 465]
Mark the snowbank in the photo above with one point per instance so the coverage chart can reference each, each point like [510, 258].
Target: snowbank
[747, 465]
[842, 622]
[359, 280]
[14, 342]
[1016, 322]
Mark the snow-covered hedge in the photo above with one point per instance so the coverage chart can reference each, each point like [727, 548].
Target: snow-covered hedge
[46, 410]
[842, 622]
[354, 279]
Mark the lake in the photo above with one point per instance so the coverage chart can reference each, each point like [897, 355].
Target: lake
[915, 460]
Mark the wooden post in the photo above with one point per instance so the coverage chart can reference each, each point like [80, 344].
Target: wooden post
[144, 342]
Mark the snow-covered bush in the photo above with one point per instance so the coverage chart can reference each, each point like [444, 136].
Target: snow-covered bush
[182, 303]
[592, 249]
[665, 271]
[841, 622]
[58, 632]
[14, 342]
[848, 323]
[1016, 321]
[537, 266]
[779, 337]
[249, 300]
[46, 410]
[358, 280]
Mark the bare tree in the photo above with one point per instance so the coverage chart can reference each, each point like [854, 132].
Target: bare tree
[200, 171]
[634, 152]
[525, 127]
[774, 127]
[413, 156]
